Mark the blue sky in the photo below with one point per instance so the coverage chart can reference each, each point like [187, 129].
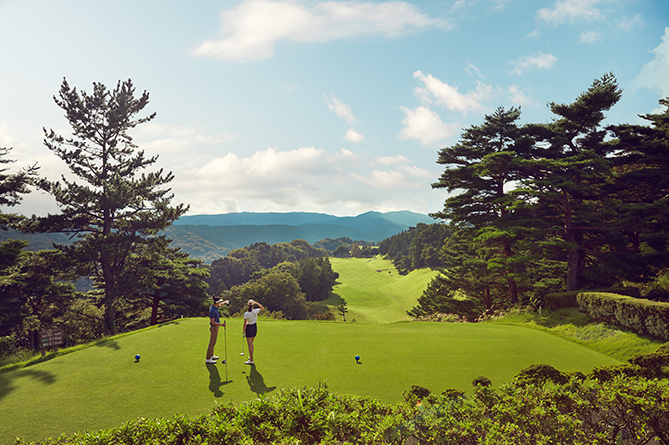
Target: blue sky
[327, 106]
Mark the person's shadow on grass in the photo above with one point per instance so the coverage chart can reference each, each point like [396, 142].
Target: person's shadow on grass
[215, 380]
[257, 382]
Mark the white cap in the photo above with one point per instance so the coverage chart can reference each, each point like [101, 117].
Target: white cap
[251, 302]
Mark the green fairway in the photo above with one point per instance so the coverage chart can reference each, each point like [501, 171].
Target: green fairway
[375, 292]
[102, 386]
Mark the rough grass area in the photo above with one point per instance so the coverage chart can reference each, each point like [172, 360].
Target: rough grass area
[575, 326]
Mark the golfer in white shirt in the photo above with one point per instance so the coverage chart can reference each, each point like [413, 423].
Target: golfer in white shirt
[250, 327]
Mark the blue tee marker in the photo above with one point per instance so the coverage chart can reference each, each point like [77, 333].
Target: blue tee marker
[357, 358]
[137, 357]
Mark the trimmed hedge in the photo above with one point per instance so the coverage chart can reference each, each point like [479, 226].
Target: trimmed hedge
[643, 317]
[559, 300]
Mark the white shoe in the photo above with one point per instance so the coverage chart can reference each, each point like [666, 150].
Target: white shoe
[210, 361]
[249, 362]
[215, 357]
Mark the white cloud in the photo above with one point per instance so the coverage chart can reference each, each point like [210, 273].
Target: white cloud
[344, 157]
[340, 108]
[655, 74]
[252, 29]
[425, 126]
[392, 160]
[536, 34]
[434, 90]
[6, 139]
[629, 24]
[159, 138]
[458, 5]
[304, 178]
[343, 110]
[269, 168]
[402, 178]
[572, 11]
[353, 136]
[473, 70]
[589, 37]
[518, 97]
[539, 61]
[499, 4]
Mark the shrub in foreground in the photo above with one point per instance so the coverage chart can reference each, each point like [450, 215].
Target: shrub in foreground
[533, 409]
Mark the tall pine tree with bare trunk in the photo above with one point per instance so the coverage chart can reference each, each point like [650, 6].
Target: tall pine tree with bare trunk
[114, 204]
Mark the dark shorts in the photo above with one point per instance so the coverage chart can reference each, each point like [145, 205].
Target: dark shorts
[251, 330]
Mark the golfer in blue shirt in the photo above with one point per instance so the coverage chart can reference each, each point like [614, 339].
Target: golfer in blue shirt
[214, 324]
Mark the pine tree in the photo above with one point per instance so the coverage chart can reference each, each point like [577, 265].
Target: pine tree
[114, 204]
[482, 166]
[13, 186]
[568, 172]
[165, 280]
[640, 243]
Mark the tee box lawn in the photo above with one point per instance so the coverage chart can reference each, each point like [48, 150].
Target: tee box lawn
[102, 385]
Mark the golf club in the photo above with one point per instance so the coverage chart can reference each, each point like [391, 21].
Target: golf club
[225, 340]
[243, 338]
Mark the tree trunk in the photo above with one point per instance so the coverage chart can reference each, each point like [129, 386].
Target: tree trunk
[110, 291]
[154, 309]
[513, 288]
[105, 263]
[570, 237]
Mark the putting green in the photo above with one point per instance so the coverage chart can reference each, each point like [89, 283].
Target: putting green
[102, 386]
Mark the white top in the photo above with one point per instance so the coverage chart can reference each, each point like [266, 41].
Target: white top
[252, 317]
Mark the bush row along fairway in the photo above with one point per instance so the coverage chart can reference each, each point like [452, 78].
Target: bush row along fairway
[101, 386]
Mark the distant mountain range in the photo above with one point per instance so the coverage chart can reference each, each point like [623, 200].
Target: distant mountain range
[208, 237]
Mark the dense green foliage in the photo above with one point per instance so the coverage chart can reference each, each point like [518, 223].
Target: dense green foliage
[644, 317]
[162, 283]
[287, 290]
[286, 277]
[417, 247]
[341, 247]
[240, 265]
[559, 300]
[108, 231]
[544, 208]
[13, 186]
[118, 206]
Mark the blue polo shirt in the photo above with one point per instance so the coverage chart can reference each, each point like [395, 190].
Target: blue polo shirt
[213, 313]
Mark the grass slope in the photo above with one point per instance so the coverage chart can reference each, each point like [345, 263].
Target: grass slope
[375, 292]
[102, 386]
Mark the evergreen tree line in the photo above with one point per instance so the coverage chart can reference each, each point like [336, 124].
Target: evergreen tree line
[416, 248]
[114, 207]
[537, 208]
[345, 247]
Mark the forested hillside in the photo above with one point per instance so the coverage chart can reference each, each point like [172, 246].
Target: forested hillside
[208, 237]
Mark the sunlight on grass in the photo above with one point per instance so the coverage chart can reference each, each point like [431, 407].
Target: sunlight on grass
[577, 327]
